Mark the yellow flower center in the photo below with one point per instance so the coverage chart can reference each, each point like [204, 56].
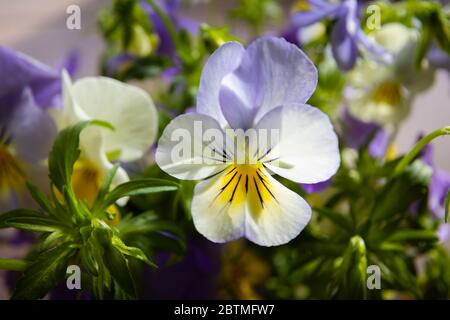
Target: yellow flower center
[12, 173]
[243, 182]
[388, 93]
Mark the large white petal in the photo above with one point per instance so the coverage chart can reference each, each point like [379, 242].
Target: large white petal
[279, 217]
[185, 153]
[129, 109]
[307, 150]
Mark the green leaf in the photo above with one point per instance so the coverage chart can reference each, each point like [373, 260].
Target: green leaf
[336, 218]
[136, 187]
[117, 265]
[145, 223]
[30, 220]
[442, 30]
[411, 184]
[39, 197]
[351, 275]
[88, 252]
[65, 152]
[413, 235]
[131, 251]
[106, 184]
[424, 45]
[43, 274]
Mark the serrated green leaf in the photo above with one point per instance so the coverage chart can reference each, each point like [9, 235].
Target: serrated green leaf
[43, 274]
[117, 265]
[132, 251]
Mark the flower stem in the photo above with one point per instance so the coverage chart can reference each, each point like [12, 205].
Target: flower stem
[401, 166]
[12, 264]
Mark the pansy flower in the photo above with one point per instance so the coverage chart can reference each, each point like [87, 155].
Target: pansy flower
[383, 93]
[27, 89]
[251, 121]
[129, 110]
[347, 37]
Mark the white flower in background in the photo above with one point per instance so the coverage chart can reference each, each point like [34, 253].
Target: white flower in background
[131, 112]
[383, 93]
[258, 90]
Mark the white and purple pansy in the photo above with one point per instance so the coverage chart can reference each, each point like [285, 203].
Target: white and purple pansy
[250, 93]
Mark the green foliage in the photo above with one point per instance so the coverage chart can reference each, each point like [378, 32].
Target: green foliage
[256, 13]
[73, 233]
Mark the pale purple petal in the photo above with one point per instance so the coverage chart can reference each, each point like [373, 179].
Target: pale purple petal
[319, 10]
[18, 71]
[32, 129]
[354, 131]
[222, 62]
[379, 144]
[273, 72]
[443, 233]
[236, 110]
[307, 18]
[344, 46]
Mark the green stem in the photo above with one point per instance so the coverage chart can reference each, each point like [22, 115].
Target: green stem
[12, 264]
[401, 166]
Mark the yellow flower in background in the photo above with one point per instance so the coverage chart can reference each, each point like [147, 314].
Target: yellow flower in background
[243, 273]
[383, 92]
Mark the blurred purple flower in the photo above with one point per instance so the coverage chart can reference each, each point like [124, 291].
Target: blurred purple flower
[192, 278]
[438, 58]
[443, 233]
[356, 132]
[27, 89]
[347, 34]
[170, 8]
[19, 71]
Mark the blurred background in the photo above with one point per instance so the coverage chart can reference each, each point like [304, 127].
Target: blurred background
[38, 28]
